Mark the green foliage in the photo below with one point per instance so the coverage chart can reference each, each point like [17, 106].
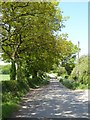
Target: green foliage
[69, 83]
[9, 86]
[66, 76]
[89, 81]
[24, 39]
[13, 90]
[61, 80]
[72, 84]
[55, 68]
[5, 69]
[69, 63]
[82, 86]
[61, 71]
[33, 47]
[39, 81]
[67, 54]
[30, 42]
[80, 72]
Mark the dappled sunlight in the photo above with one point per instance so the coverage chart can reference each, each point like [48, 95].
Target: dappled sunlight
[54, 101]
[25, 107]
[57, 114]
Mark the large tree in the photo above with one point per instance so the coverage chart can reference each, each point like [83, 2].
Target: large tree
[69, 54]
[29, 37]
[27, 30]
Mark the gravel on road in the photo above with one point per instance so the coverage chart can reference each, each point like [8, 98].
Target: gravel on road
[54, 101]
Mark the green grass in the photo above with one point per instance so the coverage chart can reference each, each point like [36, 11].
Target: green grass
[82, 86]
[71, 84]
[13, 91]
[4, 77]
[8, 108]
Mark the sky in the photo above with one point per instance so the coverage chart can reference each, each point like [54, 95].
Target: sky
[77, 24]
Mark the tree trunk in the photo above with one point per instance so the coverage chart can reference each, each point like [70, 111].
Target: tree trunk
[34, 75]
[13, 70]
[19, 71]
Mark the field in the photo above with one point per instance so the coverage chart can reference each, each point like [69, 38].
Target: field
[4, 77]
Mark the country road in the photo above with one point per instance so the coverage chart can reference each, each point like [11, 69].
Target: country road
[54, 101]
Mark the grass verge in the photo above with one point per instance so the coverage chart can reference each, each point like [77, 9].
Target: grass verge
[5, 77]
[71, 84]
[8, 108]
[13, 91]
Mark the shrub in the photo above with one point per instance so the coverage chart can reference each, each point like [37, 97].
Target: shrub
[66, 76]
[61, 80]
[68, 84]
[45, 82]
[23, 84]
[9, 86]
[82, 86]
[71, 84]
[61, 71]
[80, 72]
[40, 80]
[13, 90]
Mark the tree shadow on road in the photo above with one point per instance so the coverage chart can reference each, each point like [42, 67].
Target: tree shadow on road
[54, 102]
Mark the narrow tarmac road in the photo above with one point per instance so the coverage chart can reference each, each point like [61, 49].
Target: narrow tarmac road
[54, 101]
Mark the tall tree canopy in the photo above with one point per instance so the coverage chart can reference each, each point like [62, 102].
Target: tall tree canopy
[28, 37]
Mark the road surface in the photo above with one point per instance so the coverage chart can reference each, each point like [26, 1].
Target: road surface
[54, 101]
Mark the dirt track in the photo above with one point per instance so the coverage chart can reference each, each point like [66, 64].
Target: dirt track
[54, 101]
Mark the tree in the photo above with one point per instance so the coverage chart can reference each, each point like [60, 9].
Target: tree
[67, 53]
[69, 63]
[29, 40]
[11, 33]
[43, 45]
[23, 37]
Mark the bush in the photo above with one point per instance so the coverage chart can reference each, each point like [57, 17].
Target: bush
[61, 71]
[13, 90]
[68, 84]
[61, 80]
[45, 82]
[39, 81]
[80, 72]
[75, 78]
[82, 86]
[66, 76]
[23, 84]
[71, 84]
[9, 85]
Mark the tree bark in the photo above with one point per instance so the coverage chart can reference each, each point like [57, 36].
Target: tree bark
[19, 71]
[13, 70]
[34, 75]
